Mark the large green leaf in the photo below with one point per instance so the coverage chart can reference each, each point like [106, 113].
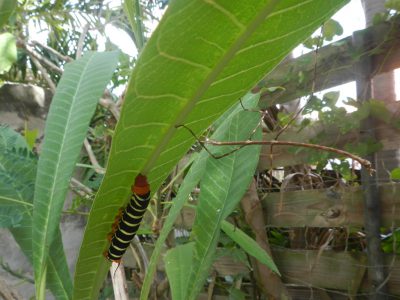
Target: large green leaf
[226, 182]
[78, 92]
[177, 265]
[17, 178]
[8, 51]
[6, 9]
[249, 245]
[203, 56]
[191, 180]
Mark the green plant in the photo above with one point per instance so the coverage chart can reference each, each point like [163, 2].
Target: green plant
[202, 58]
[191, 79]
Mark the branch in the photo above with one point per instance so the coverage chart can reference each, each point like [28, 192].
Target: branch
[43, 59]
[111, 106]
[82, 37]
[269, 282]
[46, 75]
[55, 52]
[365, 163]
[92, 157]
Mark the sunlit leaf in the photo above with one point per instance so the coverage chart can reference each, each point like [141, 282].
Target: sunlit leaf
[8, 51]
[78, 92]
[222, 50]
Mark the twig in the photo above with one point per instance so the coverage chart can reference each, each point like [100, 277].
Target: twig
[43, 60]
[80, 185]
[312, 87]
[79, 47]
[92, 157]
[46, 75]
[75, 212]
[111, 106]
[55, 52]
[365, 163]
[120, 286]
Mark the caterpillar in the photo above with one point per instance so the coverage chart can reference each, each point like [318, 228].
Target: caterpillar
[127, 221]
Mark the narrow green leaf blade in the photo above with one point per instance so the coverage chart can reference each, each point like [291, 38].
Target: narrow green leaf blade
[8, 51]
[77, 94]
[249, 245]
[223, 48]
[189, 183]
[178, 261]
[222, 188]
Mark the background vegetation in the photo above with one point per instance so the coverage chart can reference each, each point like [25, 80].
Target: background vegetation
[203, 67]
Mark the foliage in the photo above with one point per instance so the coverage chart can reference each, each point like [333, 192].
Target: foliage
[8, 51]
[72, 107]
[188, 79]
[17, 179]
[219, 74]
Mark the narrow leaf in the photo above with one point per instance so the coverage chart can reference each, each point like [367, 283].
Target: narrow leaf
[177, 265]
[249, 245]
[189, 183]
[221, 189]
[191, 70]
[78, 92]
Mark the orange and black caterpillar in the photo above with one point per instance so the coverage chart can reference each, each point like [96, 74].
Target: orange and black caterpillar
[127, 222]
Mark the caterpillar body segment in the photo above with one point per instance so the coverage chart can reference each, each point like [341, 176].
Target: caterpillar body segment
[127, 224]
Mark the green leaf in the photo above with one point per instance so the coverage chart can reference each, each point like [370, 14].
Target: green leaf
[332, 28]
[177, 265]
[133, 11]
[78, 92]
[191, 180]
[249, 245]
[6, 9]
[30, 136]
[395, 174]
[379, 110]
[225, 182]
[17, 178]
[191, 70]
[8, 50]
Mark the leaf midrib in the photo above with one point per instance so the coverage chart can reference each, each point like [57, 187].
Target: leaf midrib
[52, 190]
[224, 61]
[220, 217]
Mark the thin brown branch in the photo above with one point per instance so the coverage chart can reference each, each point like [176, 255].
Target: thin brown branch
[46, 75]
[79, 47]
[81, 186]
[92, 157]
[365, 163]
[55, 52]
[43, 60]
